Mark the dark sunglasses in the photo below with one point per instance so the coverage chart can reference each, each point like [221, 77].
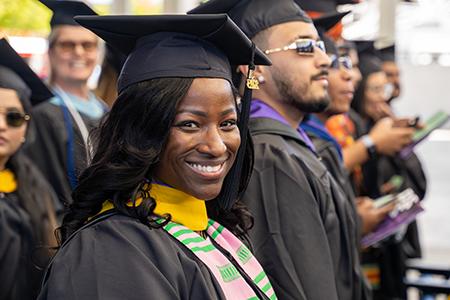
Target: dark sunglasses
[302, 46]
[341, 61]
[69, 46]
[16, 119]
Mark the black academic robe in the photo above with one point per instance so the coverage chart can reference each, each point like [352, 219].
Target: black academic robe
[300, 232]
[117, 257]
[49, 150]
[412, 172]
[24, 244]
[329, 156]
[392, 254]
[16, 246]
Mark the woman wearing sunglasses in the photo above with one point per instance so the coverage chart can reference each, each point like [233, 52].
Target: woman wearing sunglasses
[26, 200]
[155, 214]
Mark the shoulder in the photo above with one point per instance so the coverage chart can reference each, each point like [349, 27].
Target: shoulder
[113, 256]
[118, 233]
[45, 114]
[45, 108]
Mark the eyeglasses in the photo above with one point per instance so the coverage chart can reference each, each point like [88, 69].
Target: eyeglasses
[303, 47]
[15, 118]
[341, 61]
[386, 90]
[69, 46]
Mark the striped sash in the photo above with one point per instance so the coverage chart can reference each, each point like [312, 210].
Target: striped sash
[231, 281]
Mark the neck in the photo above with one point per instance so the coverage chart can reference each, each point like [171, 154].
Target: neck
[323, 117]
[3, 161]
[77, 88]
[291, 114]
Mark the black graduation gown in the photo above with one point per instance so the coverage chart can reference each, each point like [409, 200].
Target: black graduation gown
[24, 249]
[412, 172]
[118, 257]
[298, 236]
[49, 150]
[16, 246]
[392, 254]
[330, 158]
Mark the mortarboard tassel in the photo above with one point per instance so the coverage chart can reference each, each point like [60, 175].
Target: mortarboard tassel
[231, 190]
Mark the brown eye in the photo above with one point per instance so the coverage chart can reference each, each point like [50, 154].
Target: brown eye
[187, 125]
[228, 125]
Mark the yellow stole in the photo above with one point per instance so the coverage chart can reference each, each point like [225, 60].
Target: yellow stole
[8, 182]
[184, 208]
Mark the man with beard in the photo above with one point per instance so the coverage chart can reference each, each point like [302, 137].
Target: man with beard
[303, 225]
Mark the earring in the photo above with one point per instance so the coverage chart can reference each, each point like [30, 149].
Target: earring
[23, 139]
[261, 79]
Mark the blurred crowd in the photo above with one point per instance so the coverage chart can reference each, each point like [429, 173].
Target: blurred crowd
[328, 220]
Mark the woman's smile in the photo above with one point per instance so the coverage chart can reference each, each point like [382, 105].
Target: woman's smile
[208, 170]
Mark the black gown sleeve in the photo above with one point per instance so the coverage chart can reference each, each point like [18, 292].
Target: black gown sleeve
[289, 236]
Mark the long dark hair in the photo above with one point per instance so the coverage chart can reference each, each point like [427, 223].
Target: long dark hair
[35, 196]
[358, 98]
[33, 192]
[128, 144]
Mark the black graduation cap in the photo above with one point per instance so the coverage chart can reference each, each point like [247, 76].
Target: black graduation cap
[12, 61]
[114, 58]
[387, 54]
[327, 21]
[365, 46]
[196, 46]
[323, 6]
[369, 62]
[174, 45]
[253, 16]
[65, 10]
[330, 45]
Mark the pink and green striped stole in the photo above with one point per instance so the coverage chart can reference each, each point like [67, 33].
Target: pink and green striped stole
[227, 275]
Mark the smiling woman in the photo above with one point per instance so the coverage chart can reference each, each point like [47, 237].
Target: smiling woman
[204, 140]
[158, 209]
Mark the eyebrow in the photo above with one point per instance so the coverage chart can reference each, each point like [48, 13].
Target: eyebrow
[203, 114]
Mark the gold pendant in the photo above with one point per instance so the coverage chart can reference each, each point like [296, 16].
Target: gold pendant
[252, 82]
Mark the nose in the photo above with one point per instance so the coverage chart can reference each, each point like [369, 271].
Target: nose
[3, 124]
[321, 58]
[212, 143]
[79, 49]
[346, 74]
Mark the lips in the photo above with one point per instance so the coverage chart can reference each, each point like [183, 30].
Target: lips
[3, 141]
[322, 79]
[348, 94]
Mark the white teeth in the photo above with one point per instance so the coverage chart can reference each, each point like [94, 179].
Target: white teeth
[206, 169]
[79, 64]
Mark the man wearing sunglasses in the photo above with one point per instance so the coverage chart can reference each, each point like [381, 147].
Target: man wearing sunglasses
[64, 121]
[300, 233]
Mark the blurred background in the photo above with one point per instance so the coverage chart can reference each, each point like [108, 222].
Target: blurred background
[420, 29]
